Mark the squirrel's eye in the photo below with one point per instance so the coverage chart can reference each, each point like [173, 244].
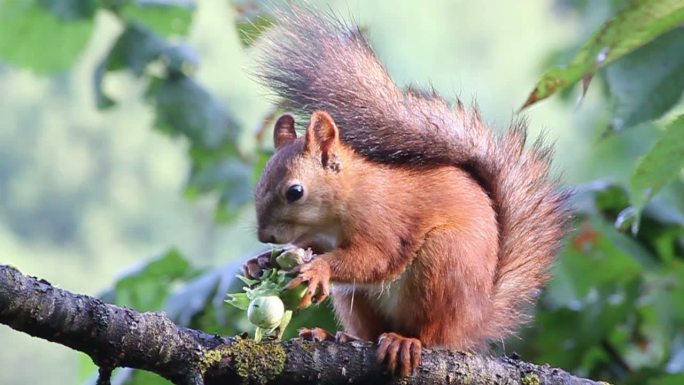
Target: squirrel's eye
[294, 192]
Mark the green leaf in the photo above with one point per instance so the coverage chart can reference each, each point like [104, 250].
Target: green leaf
[596, 316]
[102, 100]
[70, 10]
[163, 17]
[251, 19]
[628, 219]
[180, 59]
[147, 378]
[230, 176]
[314, 316]
[287, 317]
[640, 22]
[33, 37]
[133, 50]
[662, 163]
[258, 334]
[592, 259]
[669, 379]
[184, 107]
[249, 30]
[202, 294]
[238, 300]
[674, 293]
[147, 288]
[86, 368]
[247, 281]
[262, 158]
[649, 81]
[662, 229]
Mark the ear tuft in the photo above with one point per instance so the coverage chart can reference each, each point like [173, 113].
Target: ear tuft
[284, 132]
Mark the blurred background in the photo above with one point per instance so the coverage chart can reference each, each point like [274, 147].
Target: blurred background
[130, 142]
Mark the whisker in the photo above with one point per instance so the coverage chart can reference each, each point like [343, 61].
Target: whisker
[351, 303]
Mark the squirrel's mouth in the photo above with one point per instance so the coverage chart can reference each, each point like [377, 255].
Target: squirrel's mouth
[302, 241]
[319, 243]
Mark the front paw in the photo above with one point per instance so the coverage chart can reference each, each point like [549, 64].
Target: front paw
[316, 276]
[255, 267]
[315, 335]
[319, 335]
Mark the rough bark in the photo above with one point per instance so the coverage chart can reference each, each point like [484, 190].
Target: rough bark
[120, 337]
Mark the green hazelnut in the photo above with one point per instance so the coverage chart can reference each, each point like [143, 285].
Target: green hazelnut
[266, 312]
[290, 259]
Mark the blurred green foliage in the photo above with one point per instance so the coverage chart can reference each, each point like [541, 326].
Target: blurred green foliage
[615, 308]
[629, 28]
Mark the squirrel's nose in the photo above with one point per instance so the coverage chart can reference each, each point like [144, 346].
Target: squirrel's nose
[265, 236]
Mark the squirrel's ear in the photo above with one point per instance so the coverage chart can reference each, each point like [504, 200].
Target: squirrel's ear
[284, 132]
[322, 134]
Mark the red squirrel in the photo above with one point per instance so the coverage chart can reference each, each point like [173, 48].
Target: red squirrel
[433, 230]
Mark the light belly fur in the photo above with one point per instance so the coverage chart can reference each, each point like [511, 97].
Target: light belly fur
[386, 295]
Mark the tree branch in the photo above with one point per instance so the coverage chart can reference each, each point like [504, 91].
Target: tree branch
[120, 337]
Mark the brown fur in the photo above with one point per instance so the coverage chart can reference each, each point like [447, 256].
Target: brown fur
[438, 232]
[443, 229]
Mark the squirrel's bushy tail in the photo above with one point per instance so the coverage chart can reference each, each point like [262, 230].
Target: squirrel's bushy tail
[317, 62]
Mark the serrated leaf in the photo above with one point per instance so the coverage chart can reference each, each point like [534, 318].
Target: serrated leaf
[660, 165]
[163, 17]
[649, 81]
[238, 300]
[247, 281]
[33, 37]
[637, 24]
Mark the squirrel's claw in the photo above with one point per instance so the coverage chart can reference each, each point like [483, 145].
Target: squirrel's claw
[254, 267]
[319, 334]
[401, 354]
[315, 334]
[343, 338]
[316, 274]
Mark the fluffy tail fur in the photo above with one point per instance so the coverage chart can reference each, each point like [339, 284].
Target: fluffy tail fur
[317, 62]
